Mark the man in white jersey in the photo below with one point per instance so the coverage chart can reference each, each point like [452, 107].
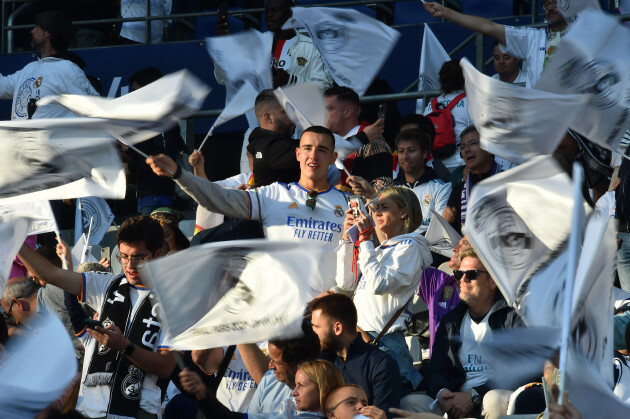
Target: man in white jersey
[536, 46]
[310, 210]
[508, 68]
[460, 376]
[121, 380]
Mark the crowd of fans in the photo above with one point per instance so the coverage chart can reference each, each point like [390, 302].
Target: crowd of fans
[365, 196]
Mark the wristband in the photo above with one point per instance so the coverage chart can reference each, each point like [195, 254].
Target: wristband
[129, 349]
[178, 172]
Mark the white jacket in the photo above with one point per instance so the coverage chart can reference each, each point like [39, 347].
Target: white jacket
[388, 276]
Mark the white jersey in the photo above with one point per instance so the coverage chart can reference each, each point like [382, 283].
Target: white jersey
[520, 80]
[461, 119]
[205, 219]
[237, 386]
[95, 399]
[475, 363]
[136, 31]
[433, 195]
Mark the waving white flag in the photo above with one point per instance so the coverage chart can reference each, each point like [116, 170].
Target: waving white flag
[235, 292]
[515, 123]
[42, 219]
[97, 211]
[595, 63]
[343, 38]
[432, 56]
[303, 103]
[571, 8]
[441, 235]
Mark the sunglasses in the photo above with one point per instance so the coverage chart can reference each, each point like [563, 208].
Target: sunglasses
[471, 274]
[312, 199]
[7, 315]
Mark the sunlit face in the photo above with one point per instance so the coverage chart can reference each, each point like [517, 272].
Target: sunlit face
[315, 153]
[474, 157]
[504, 64]
[169, 236]
[134, 250]
[284, 373]
[323, 328]
[479, 290]
[457, 249]
[306, 393]
[410, 157]
[389, 217]
[346, 402]
[282, 124]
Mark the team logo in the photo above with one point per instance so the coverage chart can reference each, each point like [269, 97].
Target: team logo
[598, 78]
[38, 82]
[301, 61]
[332, 36]
[338, 211]
[239, 298]
[447, 293]
[102, 350]
[258, 155]
[426, 201]
[27, 91]
[294, 206]
[132, 384]
[427, 83]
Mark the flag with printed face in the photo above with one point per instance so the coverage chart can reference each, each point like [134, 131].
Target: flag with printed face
[515, 123]
[92, 210]
[510, 218]
[342, 37]
[13, 232]
[42, 219]
[595, 63]
[235, 292]
[571, 8]
[441, 236]
[143, 113]
[43, 161]
[303, 103]
[432, 56]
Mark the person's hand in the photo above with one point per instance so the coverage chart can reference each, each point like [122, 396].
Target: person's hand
[363, 222]
[110, 336]
[280, 77]
[373, 412]
[196, 159]
[445, 399]
[244, 186]
[104, 262]
[435, 9]
[461, 405]
[564, 411]
[162, 165]
[191, 382]
[362, 187]
[222, 26]
[375, 130]
[64, 252]
[348, 222]
[411, 415]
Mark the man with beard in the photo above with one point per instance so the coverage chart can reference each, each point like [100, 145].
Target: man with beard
[334, 320]
[55, 72]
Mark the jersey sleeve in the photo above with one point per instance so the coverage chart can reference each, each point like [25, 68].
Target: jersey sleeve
[519, 42]
[7, 85]
[442, 195]
[93, 288]
[261, 200]
[78, 84]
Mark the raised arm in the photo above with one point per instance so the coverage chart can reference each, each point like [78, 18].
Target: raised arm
[231, 202]
[474, 23]
[256, 362]
[44, 270]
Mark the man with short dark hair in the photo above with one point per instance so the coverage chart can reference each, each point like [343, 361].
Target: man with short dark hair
[19, 299]
[310, 210]
[334, 320]
[121, 379]
[507, 67]
[55, 72]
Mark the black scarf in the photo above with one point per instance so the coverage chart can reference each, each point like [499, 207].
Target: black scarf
[109, 367]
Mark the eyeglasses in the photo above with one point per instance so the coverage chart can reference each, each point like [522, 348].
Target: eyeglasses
[549, 4]
[471, 274]
[136, 260]
[7, 315]
[471, 145]
[312, 199]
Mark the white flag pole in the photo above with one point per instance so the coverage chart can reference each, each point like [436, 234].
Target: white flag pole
[143, 154]
[574, 250]
[64, 263]
[87, 242]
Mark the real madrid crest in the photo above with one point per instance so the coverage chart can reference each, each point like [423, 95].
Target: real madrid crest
[447, 293]
[301, 61]
[338, 211]
[102, 349]
[427, 200]
[132, 384]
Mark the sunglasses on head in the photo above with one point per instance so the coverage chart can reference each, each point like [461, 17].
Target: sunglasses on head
[471, 274]
[312, 199]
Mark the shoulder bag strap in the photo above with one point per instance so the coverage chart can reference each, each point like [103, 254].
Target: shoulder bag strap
[391, 322]
[455, 101]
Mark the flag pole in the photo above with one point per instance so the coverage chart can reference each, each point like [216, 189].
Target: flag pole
[574, 250]
[143, 154]
[87, 242]
[64, 263]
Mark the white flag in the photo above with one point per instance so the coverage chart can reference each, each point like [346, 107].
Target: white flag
[345, 39]
[595, 63]
[37, 164]
[432, 57]
[42, 219]
[441, 235]
[94, 209]
[571, 8]
[515, 123]
[13, 232]
[235, 292]
[144, 113]
[303, 103]
[81, 252]
[42, 364]
[518, 220]
[242, 102]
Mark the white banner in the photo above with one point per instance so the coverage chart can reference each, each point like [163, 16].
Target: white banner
[235, 292]
[353, 46]
[42, 219]
[441, 236]
[242, 102]
[81, 252]
[571, 8]
[510, 219]
[595, 63]
[432, 57]
[515, 123]
[13, 232]
[303, 103]
[42, 364]
[95, 210]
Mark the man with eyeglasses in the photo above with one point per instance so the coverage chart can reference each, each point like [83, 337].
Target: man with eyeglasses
[310, 210]
[536, 46]
[124, 366]
[349, 401]
[19, 299]
[459, 381]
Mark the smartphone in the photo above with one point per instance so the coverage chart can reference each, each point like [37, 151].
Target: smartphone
[356, 205]
[91, 323]
[382, 111]
[106, 253]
